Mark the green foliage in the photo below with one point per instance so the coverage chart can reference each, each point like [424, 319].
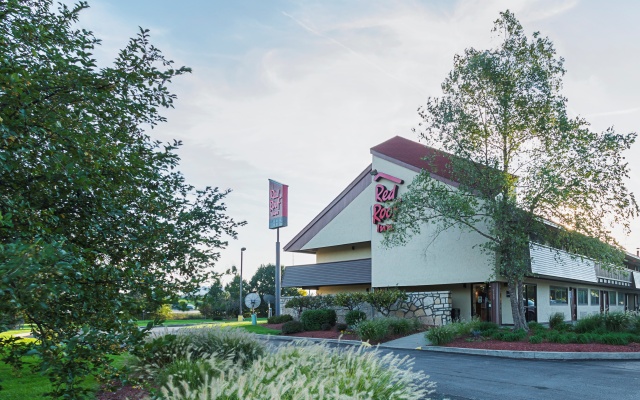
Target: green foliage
[535, 339]
[382, 300]
[508, 335]
[373, 330]
[592, 323]
[302, 303]
[340, 327]
[96, 222]
[619, 339]
[190, 374]
[279, 319]
[313, 320]
[350, 300]
[163, 313]
[502, 122]
[353, 317]
[439, 335]
[617, 321]
[292, 327]
[536, 327]
[556, 321]
[311, 371]
[264, 282]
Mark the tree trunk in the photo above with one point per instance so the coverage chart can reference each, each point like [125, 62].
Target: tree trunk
[517, 304]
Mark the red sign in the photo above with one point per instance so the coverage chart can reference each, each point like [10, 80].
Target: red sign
[381, 212]
[278, 204]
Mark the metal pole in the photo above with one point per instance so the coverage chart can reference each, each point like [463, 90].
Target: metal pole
[241, 254]
[278, 271]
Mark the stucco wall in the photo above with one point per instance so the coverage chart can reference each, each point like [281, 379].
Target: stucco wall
[448, 258]
[354, 251]
[350, 226]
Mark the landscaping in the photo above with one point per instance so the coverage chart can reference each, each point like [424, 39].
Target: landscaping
[615, 331]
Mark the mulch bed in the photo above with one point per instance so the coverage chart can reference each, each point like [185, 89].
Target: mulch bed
[526, 346]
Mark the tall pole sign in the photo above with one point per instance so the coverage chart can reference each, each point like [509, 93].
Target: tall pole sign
[278, 218]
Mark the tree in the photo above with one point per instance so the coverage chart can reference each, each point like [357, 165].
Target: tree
[264, 282]
[233, 288]
[95, 220]
[526, 170]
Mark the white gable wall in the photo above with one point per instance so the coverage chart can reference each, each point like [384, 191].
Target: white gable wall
[351, 225]
[449, 258]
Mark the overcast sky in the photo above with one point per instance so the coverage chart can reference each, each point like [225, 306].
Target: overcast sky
[299, 91]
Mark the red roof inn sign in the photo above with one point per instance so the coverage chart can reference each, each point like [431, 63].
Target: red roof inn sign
[381, 212]
[278, 204]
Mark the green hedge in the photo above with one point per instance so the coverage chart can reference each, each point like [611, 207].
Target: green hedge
[315, 320]
[292, 327]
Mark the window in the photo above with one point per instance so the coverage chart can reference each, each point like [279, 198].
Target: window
[558, 295]
[583, 297]
[620, 299]
[595, 297]
[613, 300]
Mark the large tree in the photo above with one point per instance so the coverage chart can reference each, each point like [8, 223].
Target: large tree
[525, 170]
[95, 221]
[263, 282]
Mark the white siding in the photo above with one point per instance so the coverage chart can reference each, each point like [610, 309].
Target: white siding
[552, 262]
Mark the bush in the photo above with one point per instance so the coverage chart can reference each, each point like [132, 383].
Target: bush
[340, 327]
[507, 335]
[535, 339]
[591, 323]
[189, 375]
[382, 300]
[350, 300]
[536, 327]
[314, 371]
[354, 317]
[617, 321]
[163, 313]
[373, 330]
[440, 335]
[312, 320]
[556, 321]
[484, 326]
[279, 319]
[613, 338]
[401, 326]
[292, 327]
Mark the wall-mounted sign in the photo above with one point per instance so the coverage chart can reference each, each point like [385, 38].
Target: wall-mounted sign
[381, 211]
[278, 204]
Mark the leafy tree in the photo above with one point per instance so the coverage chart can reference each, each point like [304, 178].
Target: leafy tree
[383, 299]
[94, 215]
[264, 282]
[217, 302]
[233, 288]
[350, 300]
[526, 170]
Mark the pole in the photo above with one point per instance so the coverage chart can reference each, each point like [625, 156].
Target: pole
[241, 254]
[278, 271]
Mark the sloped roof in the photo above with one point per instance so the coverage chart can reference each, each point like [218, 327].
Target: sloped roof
[353, 272]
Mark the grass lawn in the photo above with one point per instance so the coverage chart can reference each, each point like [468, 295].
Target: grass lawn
[7, 334]
[29, 384]
[172, 322]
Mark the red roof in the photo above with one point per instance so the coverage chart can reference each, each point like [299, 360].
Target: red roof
[413, 153]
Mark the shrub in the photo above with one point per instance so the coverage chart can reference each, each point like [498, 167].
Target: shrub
[591, 323]
[401, 326]
[536, 327]
[189, 375]
[341, 327]
[507, 335]
[535, 339]
[613, 338]
[617, 321]
[556, 321]
[485, 326]
[163, 313]
[439, 335]
[279, 319]
[355, 316]
[312, 320]
[314, 371]
[237, 345]
[382, 300]
[292, 327]
[350, 300]
[373, 330]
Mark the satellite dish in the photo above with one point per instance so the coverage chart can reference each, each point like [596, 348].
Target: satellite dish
[269, 298]
[252, 300]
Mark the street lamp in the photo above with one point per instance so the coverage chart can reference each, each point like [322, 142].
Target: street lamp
[241, 253]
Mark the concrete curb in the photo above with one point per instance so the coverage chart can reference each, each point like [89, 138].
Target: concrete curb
[536, 355]
[300, 338]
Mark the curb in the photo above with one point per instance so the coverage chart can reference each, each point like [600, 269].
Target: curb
[536, 355]
[315, 340]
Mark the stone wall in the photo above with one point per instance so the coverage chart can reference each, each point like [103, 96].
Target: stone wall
[431, 308]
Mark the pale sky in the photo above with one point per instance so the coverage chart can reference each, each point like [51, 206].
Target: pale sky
[299, 91]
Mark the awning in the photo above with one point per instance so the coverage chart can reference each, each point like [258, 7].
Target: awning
[353, 272]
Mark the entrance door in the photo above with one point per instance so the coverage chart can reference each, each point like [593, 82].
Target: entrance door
[480, 306]
[573, 300]
[530, 302]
